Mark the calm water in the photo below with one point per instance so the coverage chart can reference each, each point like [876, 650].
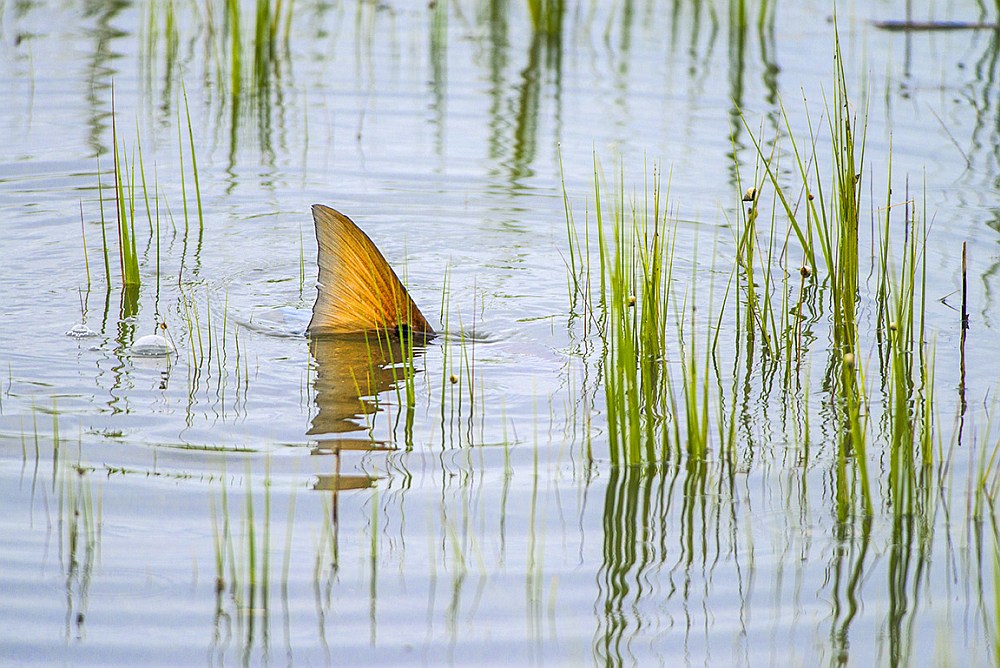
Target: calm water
[479, 530]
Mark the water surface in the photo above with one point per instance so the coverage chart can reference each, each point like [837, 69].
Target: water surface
[260, 498]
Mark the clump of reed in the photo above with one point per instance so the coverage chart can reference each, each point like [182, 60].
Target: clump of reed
[825, 223]
[125, 194]
[215, 356]
[630, 307]
[636, 272]
[660, 359]
[134, 196]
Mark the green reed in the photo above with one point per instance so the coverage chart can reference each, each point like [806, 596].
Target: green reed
[194, 168]
[909, 376]
[695, 383]
[125, 191]
[395, 353]
[133, 192]
[826, 226]
[754, 282]
[651, 412]
[86, 257]
[577, 280]
[825, 223]
[781, 306]
[446, 346]
[104, 227]
[695, 398]
[215, 358]
[636, 269]
[465, 378]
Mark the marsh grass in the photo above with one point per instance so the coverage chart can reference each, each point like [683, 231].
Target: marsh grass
[215, 353]
[83, 238]
[909, 379]
[137, 197]
[692, 434]
[125, 193]
[636, 268]
[996, 599]
[398, 352]
[194, 169]
[780, 307]
[457, 406]
[104, 226]
[215, 359]
[824, 221]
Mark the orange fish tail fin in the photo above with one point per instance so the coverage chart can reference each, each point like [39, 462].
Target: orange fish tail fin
[358, 291]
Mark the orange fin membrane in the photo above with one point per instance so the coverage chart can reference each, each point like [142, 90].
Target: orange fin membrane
[358, 291]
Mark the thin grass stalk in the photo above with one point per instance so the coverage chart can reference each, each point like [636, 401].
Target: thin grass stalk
[104, 230]
[573, 242]
[180, 160]
[803, 232]
[847, 213]
[853, 437]
[157, 200]
[127, 254]
[194, 166]
[83, 235]
[142, 173]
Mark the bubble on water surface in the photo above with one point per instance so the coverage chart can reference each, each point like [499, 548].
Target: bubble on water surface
[80, 331]
[152, 345]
